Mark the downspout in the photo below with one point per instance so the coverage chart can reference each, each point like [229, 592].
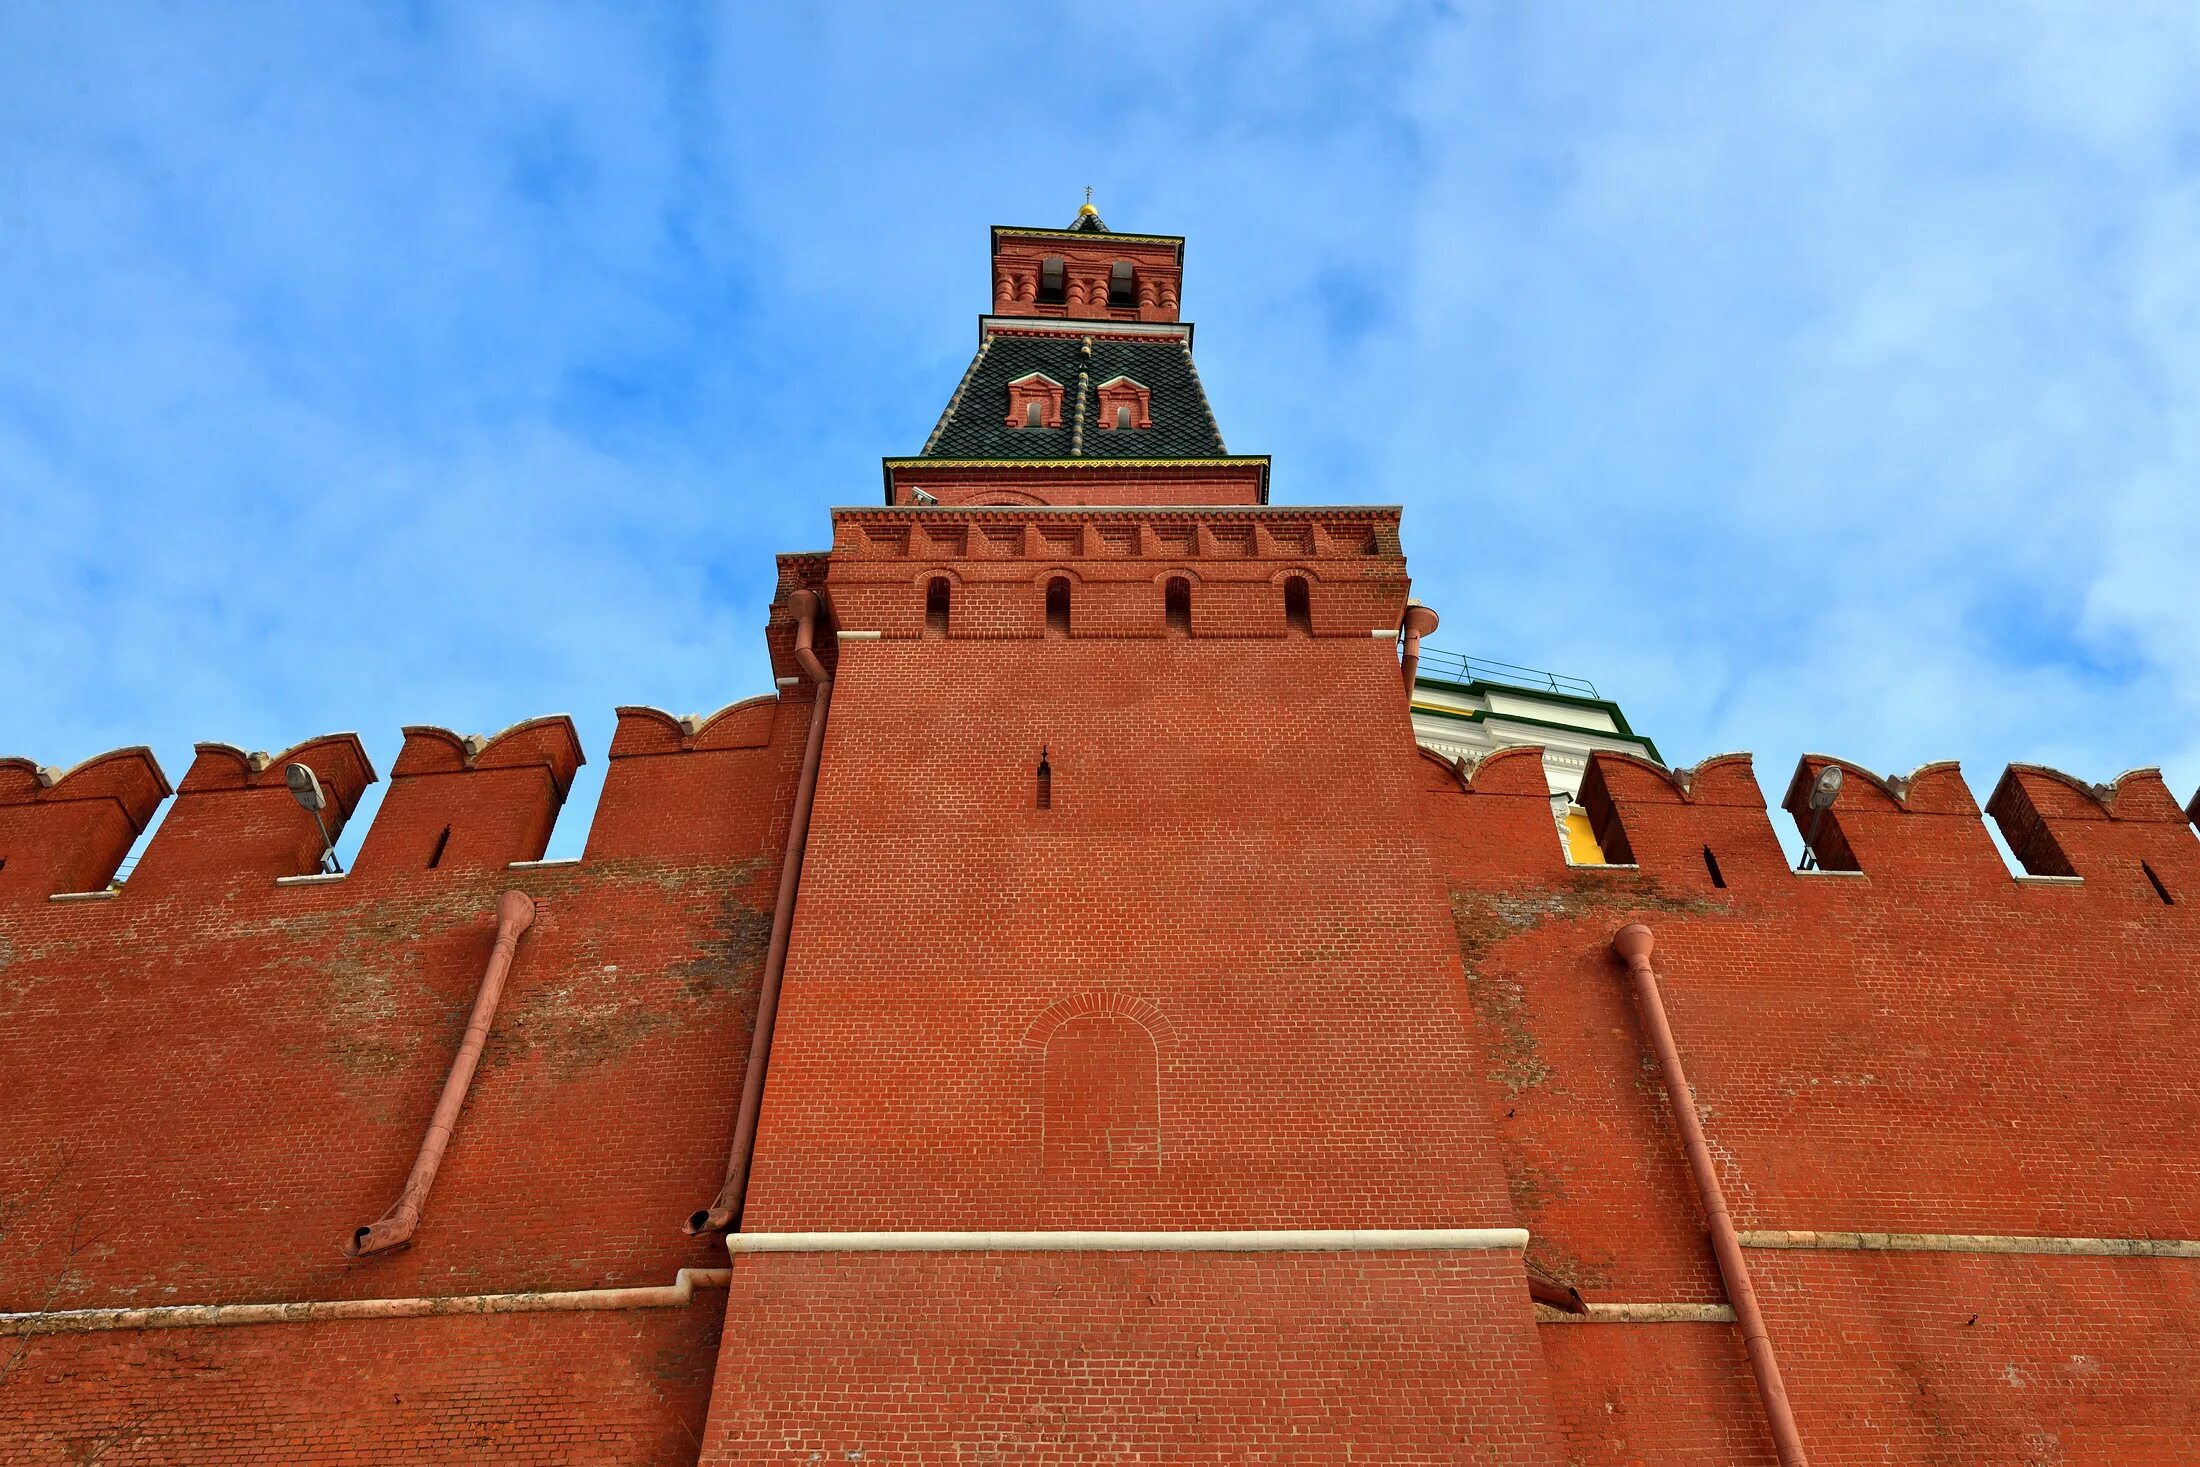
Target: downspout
[394, 1228]
[725, 1209]
[1632, 945]
[1419, 622]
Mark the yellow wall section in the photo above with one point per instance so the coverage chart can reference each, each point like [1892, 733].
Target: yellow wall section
[1581, 841]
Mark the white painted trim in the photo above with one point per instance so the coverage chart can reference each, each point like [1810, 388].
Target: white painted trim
[1639, 1314]
[1075, 326]
[542, 865]
[1822, 871]
[311, 878]
[205, 1316]
[103, 894]
[1284, 1240]
[1385, 632]
[2026, 878]
[785, 682]
[1975, 1243]
[859, 636]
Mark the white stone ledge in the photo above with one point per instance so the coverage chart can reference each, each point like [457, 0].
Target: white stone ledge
[107, 894]
[1822, 871]
[311, 878]
[859, 636]
[2026, 878]
[553, 862]
[1975, 1243]
[1302, 1240]
[1603, 866]
[215, 1316]
[1639, 1314]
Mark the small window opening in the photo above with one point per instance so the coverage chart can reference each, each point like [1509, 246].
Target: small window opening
[1046, 781]
[1058, 606]
[1711, 864]
[935, 606]
[1032, 417]
[1298, 613]
[1122, 417]
[435, 857]
[2152, 880]
[1177, 605]
[3, 863]
[1053, 286]
[1121, 291]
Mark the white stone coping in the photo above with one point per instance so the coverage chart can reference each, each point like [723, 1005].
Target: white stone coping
[211, 1316]
[311, 878]
[859, 636]
[1822, 871]
[1639, 1314]
[1974, 1243]
[553, 862]
[1602, 865]
[102, 895]
[1281, 1240]
[1384, 632]
[2026, 878]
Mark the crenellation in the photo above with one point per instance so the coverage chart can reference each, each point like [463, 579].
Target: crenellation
[234, 819]
[2127, 838]
[472, 803]
[1924, 826]
[1666, 821]
[69, 830]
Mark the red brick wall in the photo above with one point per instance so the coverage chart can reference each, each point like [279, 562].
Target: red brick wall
[230, 1075]
[1930, 1046]
[1229, 860]
[522, 1389]
[2007, 1360]
[1627, 1394]
[1052, 1357]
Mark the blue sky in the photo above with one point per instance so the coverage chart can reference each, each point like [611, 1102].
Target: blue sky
[1811, 377]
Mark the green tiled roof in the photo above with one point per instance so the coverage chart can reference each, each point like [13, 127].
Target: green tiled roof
[975, 423]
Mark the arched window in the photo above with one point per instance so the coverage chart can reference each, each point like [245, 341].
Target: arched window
[1176, 602]
[1103, 1099]
[1032, 412]
[935, 607]
[1058, 607]
[1298, 612]
[1123, 416]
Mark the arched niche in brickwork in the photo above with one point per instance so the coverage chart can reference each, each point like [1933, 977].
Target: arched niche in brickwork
[1099, 1061]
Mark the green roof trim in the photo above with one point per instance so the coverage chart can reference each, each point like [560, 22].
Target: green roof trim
[1483, 685]
[1480, 715]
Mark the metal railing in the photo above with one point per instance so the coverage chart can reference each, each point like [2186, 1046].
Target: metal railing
[1457, 667]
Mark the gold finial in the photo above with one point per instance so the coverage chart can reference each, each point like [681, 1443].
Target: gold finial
[1086, 207]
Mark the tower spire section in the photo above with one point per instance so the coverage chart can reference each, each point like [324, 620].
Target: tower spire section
[1083, 389]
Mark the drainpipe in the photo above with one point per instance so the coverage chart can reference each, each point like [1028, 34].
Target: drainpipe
[1419, 622]
[725, 1209]
[394, 1228]
[1632, 945]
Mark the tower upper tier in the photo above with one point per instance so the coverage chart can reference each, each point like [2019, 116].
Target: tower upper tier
[1083, 389]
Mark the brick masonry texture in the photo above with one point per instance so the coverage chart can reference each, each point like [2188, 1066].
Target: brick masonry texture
[1253, 962]
[1405, 1358]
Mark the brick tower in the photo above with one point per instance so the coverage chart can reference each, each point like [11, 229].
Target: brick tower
[1119, 1104]
[1109, 1038]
